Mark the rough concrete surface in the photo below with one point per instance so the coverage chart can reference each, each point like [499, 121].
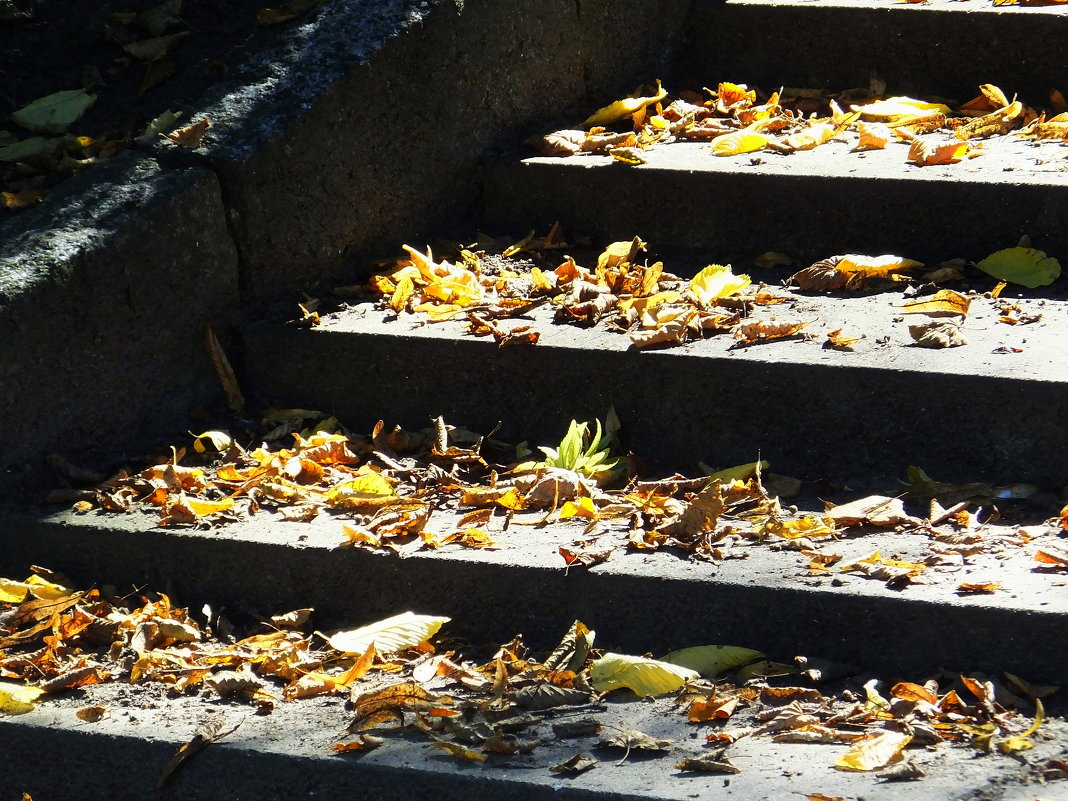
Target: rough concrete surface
[287, 754]
[757, 596]
[963, 414]
[946, 47]
[104, 294]
[345, 145]
[811, 204]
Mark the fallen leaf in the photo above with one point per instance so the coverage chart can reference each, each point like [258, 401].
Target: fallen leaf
[635, 740]
[620, 109]
[363, 743]
[718, 764]
[734, 144]
[926, 152]
[388, 636]
[54, 113]
[975, 588]
[874, 510]
[761, 331]
[712, 660]
[873, 136]
[894, 107]
[459, 751]
[937, 334]
[713, 282]
[18, 699]
[645, 677]
[573, 766]
[1025, 266]
[91, 714]
[944, 303]
[192, 136]
[875, 752]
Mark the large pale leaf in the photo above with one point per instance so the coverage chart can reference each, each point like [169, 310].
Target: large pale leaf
[55, 113]
[878, 752]
[882, 110]
[1025, 266]
[388, 636]
[643, 676]
[712, 660]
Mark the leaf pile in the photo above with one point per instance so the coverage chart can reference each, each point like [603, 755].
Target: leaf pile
[53, 638]
[735, 120]
[656, 309]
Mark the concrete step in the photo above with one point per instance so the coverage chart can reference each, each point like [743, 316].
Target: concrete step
[51, 754]
[810, 204]
[757, 596]
[963, 414]
[636, 602]
[946, 47]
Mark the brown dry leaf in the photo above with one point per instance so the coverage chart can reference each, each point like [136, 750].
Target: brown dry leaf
[937, 334]
[1053, 556]
[719, 764]
[573, 766]
[761, 331]
[23, 199]
[91, 714]
[928, 152]
[558, 143]
[975, 588]
[698, 515]
[874, 510]
[389, 703]
[839, 341]
[944, 303]
[913, 692]
[703, 711]
[191, 136]
[363, 743]
[223, 371]
[459, 751]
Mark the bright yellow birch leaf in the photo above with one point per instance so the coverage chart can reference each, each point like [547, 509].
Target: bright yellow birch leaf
[620, 109]
[13, 592]
[644, 676]
[883, 110]
[219, 441]
[17, 699]
[388, 636]
[1024, 266]
[46, 590]
[877, 752]
[741, 472]
[734, 144]
[716, 281]
[204, 508]
[583, 508]
[796, 529]
[400, 295]
[944, 303]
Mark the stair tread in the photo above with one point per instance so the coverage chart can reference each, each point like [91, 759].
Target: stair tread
[291, 749]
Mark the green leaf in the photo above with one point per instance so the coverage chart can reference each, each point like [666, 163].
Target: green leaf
[55, 113]
[34, 147]
[1025, 266]
[389, 636]
[643, 676]
[712, 660]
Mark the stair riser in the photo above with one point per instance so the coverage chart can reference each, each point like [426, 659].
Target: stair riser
[938, 49]
[731, 216]
[679, 408]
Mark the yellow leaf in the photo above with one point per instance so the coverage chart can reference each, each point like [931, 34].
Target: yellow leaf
[928, 152]
[944, 303]
[796, 529]
[810, 137]
[1022, 742]
[17, 699]
[584, 508]
[873, 136]
[761, 331]
[616, 111]
[388, 636]
[191, 136]
[1025, 266]
[874, 753]
[203, 508]
[734, 144]
[716, 281]
[741, 472]
[219, 440]
[883, 110]
[644, 676]
[399, 298]
[627, 155]
[459, 751]
[712, 660]
[13, 592]
[47, 590]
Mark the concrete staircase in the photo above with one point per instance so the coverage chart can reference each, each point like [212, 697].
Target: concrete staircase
[857, 418]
